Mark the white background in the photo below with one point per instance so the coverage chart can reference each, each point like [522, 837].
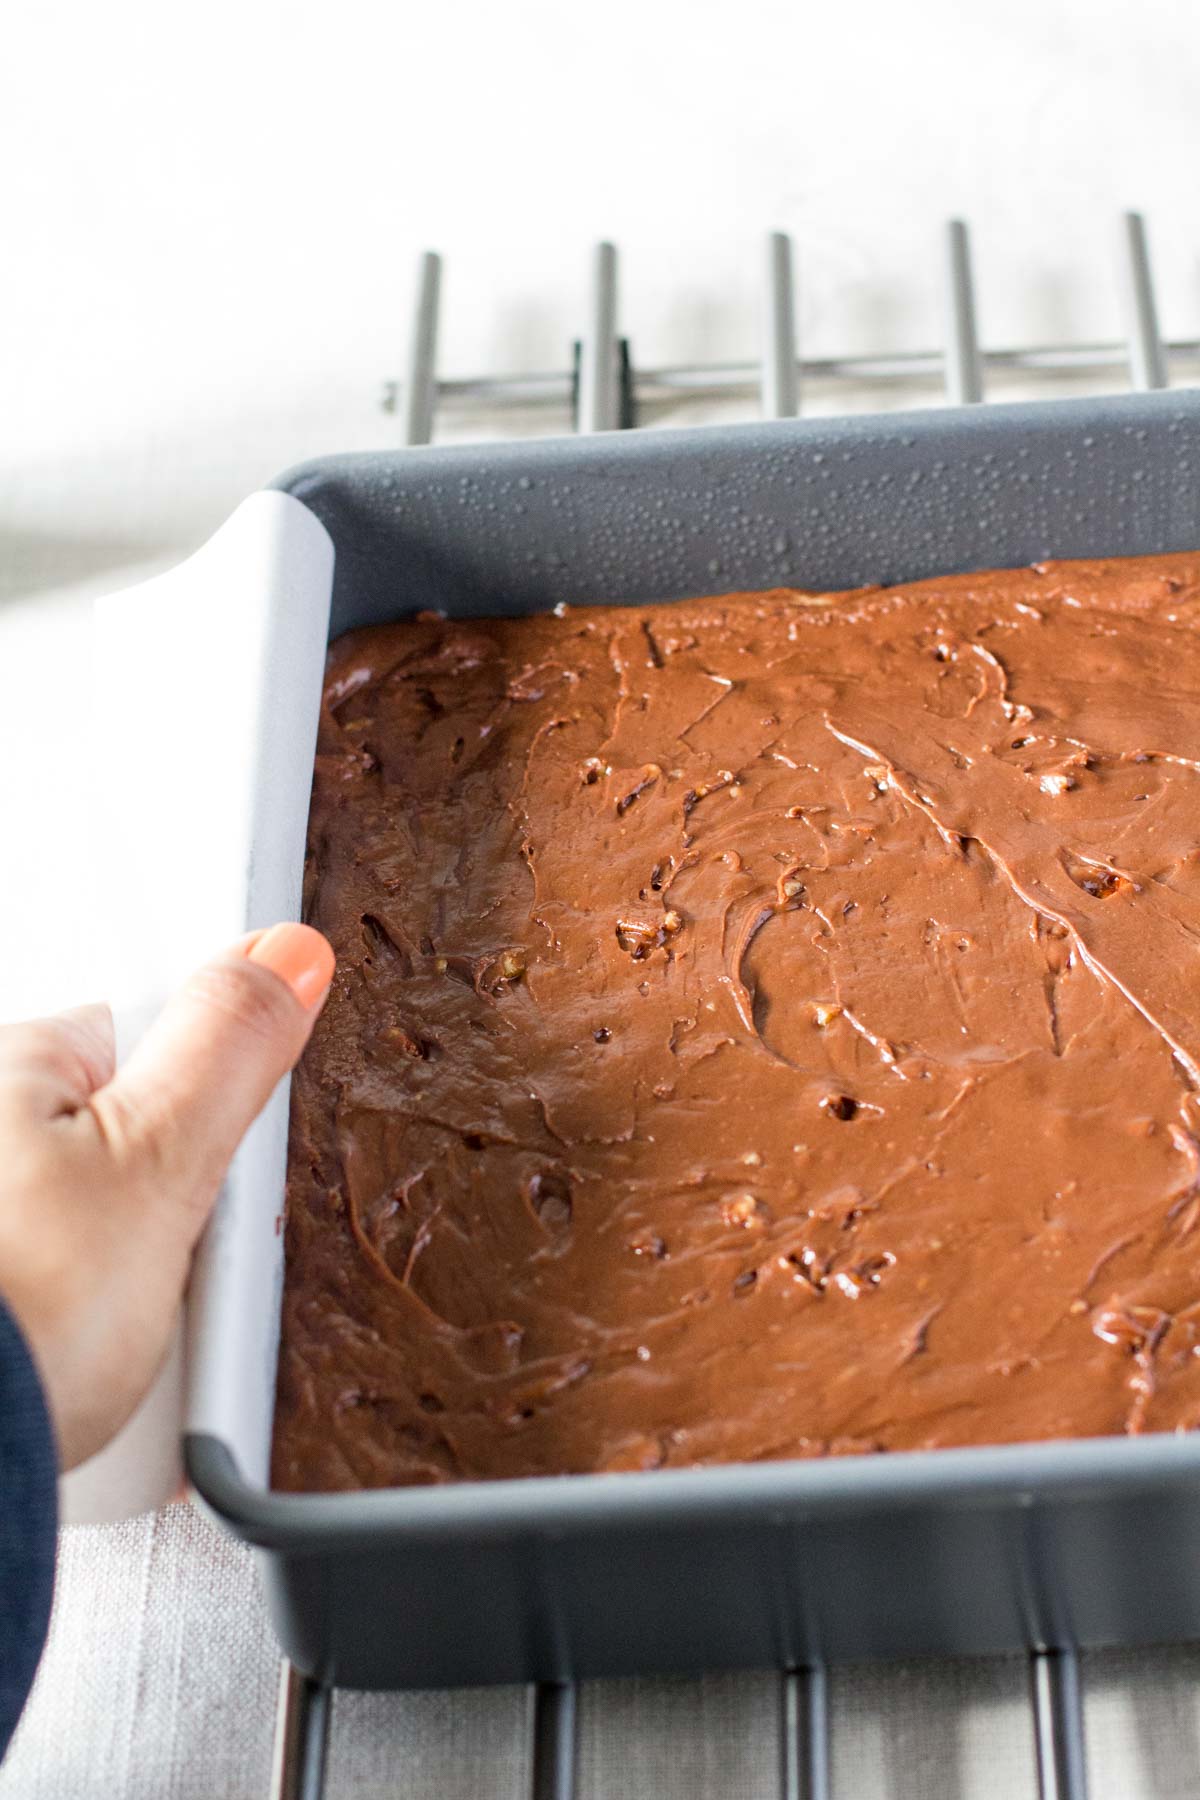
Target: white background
[210, 214]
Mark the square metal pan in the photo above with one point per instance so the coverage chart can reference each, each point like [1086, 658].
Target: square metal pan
[951, 1551]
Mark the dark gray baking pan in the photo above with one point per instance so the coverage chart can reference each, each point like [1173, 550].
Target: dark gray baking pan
[951, 1551]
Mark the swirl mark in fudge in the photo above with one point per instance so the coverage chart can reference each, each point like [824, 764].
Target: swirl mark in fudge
[764, 1026]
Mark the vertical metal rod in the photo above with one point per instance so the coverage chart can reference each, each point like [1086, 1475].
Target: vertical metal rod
[418, 394]
[1147, 361]
[599, 393]
[781, 373]
[964, 365]
[804, 1736]
[1058, 1725]
[301, 1737]
[555, 1739]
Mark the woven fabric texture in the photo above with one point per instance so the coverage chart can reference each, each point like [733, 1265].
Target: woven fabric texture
[159, 1683]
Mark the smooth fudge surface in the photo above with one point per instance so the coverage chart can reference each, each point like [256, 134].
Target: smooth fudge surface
[764, 1026]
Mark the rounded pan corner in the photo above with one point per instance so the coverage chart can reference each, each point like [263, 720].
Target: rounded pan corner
[302, 479]
[260, 1516]
[213, 1474]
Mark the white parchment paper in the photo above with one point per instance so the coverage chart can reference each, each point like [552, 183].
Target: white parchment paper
[204, 693]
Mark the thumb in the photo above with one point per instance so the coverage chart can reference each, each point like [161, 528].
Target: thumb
[182, 1102]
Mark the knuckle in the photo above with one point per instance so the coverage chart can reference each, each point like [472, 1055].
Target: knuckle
[157, 1164]
[131, 1132]
[40, 1041]
[90, 1029]
[46, 1046]
[256, 1001]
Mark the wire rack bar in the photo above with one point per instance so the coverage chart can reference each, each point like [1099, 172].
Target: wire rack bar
[1058, 1725]
[301, 1737]
[419, 390]
[1147, 362]
[743, 380]
[781, 371]
[804, 1735]
[302, 1734]
[555, 1740]
[964, 365]
[961, 364]
[599, 376]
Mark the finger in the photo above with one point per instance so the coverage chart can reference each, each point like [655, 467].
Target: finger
[53, 1066]
[181, 1104]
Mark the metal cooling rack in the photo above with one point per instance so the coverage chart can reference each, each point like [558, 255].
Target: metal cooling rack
[604, 391]
[302, 1734]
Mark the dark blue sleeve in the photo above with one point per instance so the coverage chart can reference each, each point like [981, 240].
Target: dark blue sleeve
[28, 1522]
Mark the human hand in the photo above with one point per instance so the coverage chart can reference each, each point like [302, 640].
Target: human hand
[107, 1178]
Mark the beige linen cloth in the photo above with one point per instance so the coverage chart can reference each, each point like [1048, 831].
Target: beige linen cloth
[159, 1684]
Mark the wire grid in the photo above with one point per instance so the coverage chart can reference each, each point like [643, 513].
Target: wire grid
[606, 392]
[1056, 1718]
